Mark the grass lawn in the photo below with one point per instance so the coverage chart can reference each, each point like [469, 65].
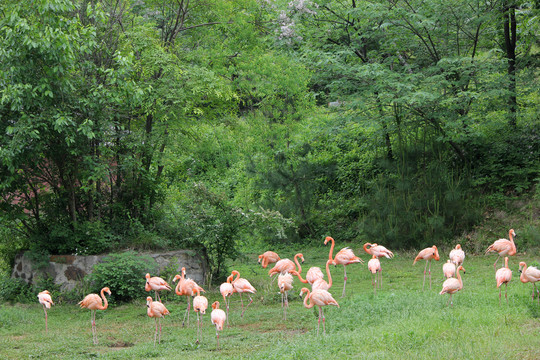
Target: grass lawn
[400, 322]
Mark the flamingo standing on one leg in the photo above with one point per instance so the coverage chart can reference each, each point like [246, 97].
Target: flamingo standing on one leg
[285, 282]
[374, 266]
[530, 274]
[200, 304]
[504, 247]
[217, 317]
[449, 269]
[188, 288]
[457, 255]
[378, 250]
[240, 286]
[156, 310]
[157, 284]
[268, 257]
[320, 283]
[452, 285]
[320, 298]
[344, 257]
[503, 276]
[428, 254]
[45, 299]
[93, 302]
[286, 265]
[226, 289]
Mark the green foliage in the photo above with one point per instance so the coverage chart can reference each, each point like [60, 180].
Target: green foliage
[16, 290]
[124, 274]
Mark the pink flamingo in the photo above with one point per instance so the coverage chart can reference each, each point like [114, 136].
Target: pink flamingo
[93, 302]
[503, 246]
[218, 318]
[457, 255]
[156, 310]
[240, 286]
[320, 298]
[320, 283]
[449, 269]
[157, 284]
[374, 267]
[452, 285]
[503, 276]
[45, 299]
[530, 274]
[285, 284]
[428, 254]
[188, 288]
[344, 257]
[313, 274]
[226, 289]
[378, 250]
[200, 304]
[268, 257]
[286, 265]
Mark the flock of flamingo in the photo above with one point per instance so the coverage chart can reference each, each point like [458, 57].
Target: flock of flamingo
[318, 295]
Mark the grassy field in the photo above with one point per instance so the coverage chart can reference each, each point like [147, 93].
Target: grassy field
[400, 322]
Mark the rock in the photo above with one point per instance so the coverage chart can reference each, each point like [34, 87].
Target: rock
[68, 270]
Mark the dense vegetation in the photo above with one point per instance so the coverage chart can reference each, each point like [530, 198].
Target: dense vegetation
[202, 124]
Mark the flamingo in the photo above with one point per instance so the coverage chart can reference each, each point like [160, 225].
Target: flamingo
[285, 284]
[457, 255]
[268, 257]
[344, 257]
[45, 299]
[156, 310]
[530, 274]
[157, 284]
[503, 246]
[200, 304]
[453, 285]
[374, 266]
[320, 298]
[320, 283]
[240, 286]
[378, 250]
[503, 276]
[218, 318]
[188, 288]
[449, 269]
[428, 254]
[286, 265]
[93, 302]
[313, 274]
[226, 289]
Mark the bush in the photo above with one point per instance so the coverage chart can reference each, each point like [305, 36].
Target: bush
[16, 290]
[124, 274]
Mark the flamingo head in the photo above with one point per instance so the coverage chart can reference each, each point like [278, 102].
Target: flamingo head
[303, 291]
[301, 256]
[328, 238]
[45, 292]
[229, 278]
[107, 290]
[513, 233]
[147, 276]
[436, 253]
[461, 268]
[215, 305]
[235, 272]
[148, 301]
[184, 271]
[176, 277]
[521, 266]
[260, 257]
[458, 246]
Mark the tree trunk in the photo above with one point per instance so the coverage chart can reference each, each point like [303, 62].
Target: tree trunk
[510, 39]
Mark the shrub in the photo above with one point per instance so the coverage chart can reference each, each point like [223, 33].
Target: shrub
[16, 290]
[124, 274]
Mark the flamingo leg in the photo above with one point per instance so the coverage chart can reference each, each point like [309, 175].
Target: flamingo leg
[45, 309]
[380, 282]
[95, 328]
[198, 327]
[155, 333]
[319, 323]
[374, 283]
[242, 302]
[286, 306]
[323, 321]
[494, 265]
[506, 292]
[159, 338]
[344, 280]
[227, 304]
[429, 271]
[424, 283]
[187, 312]
[217, 336]
[499, 295]
[157, 295]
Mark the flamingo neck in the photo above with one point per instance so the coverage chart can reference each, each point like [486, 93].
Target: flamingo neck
[506, 262]
[366, 249]
[237, 275]
[106, 304]
[510, 236]
[311, 304]
[299, 277]
[177, 288]
[328, 273]
[459, 279]
[331, 249]
[297, 263]
[522, 277]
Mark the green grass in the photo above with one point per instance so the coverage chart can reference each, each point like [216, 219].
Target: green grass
[400, 322]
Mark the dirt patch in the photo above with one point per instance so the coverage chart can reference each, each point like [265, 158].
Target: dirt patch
[120, 344]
